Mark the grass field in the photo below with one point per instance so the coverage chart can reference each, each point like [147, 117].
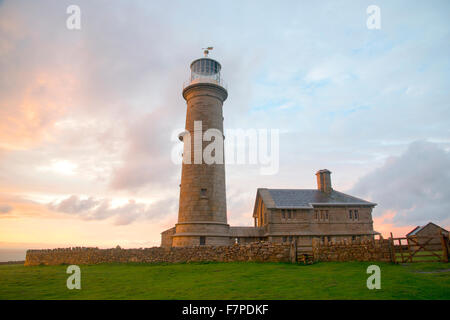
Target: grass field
[345, 280]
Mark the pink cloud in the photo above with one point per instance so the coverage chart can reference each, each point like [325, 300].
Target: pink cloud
[384, 225]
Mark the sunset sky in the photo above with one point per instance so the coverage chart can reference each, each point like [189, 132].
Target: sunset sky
[87, 116]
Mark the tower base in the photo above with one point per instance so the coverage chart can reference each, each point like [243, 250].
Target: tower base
[190, 234]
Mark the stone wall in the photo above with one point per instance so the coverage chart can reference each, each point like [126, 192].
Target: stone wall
[366, 250]
[166, 237]
[257, 251]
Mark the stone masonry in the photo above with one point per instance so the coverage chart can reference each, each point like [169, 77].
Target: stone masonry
[202, 215]
[370, 250]
[366, 250]
[257, 251]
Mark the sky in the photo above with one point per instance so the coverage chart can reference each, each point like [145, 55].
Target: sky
[88, 116]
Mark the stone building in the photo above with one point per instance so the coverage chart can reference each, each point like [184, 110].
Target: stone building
[279, 215]
[428, 230]
[284, 215]
[426, 237]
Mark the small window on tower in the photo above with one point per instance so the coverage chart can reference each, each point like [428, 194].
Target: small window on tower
[203, 193]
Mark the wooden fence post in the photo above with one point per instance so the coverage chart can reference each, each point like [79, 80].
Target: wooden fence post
[293, 252]
[391, 248]
[444, 242]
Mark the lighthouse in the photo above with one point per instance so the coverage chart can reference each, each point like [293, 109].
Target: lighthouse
[202, 215]
[280, 215]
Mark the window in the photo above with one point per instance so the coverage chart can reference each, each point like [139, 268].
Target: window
[290, 238]
[350, 214]
[202, 240]
[322, 215]
[326, 215]
[316, 214]
[284, 239]
[353, 238]
[203, 193]
[289, 214]
[283, 214]
[356, 215]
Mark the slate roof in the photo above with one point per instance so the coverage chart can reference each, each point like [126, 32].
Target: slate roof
[417, 229]
[307, 198]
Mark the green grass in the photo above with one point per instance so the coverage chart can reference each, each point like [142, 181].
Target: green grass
[345, 280]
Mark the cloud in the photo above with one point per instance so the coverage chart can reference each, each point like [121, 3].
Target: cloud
[36, 78]
[5, 208]
[414, 185]
[147, 158]
[95, 108]
[100, 209]
[74, 204]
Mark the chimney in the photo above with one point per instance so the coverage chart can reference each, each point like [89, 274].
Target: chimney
[324, 180]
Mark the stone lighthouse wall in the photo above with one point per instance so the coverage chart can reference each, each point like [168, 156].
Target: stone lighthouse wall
[202, 208]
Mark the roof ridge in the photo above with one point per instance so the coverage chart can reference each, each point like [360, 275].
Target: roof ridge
[306, 198]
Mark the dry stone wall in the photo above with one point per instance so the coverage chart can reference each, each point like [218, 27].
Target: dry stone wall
[369, 250]
[257, 251]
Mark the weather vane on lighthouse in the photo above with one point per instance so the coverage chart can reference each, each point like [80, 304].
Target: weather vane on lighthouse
[206, 52]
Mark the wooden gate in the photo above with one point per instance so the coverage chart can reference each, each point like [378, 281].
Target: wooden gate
[301, 253]
[419, 249]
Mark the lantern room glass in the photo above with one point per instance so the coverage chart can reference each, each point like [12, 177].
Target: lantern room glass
[205, 70]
